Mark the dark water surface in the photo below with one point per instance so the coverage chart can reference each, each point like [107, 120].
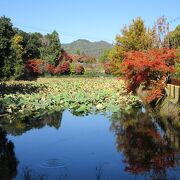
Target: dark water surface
[114, 146]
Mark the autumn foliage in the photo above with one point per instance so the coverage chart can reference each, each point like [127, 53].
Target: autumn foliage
[149, 68]
[49, 68]
[63, 68]
[35, 66]
[39, 67]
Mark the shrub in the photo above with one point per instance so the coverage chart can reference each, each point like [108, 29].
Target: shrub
[38, 67]
[35, 66]
[49, 68]
[63, 69]
[73, 68]
[79, 69]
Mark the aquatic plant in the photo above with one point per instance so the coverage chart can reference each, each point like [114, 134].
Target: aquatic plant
[79, 95]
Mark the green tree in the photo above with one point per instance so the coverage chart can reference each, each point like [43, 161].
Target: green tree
[104, 56]
[25, 36]
[78, 51]
[33, 46]
[136, 37]
[174, 38]
[18, 52]
[177, 64]
[6, 33]
[51, 47]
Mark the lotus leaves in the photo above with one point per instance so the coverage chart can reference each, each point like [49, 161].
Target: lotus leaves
[80, 95]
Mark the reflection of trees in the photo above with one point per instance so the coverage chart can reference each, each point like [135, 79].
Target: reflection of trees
[144, 148]
[20, 125]
[8, 161]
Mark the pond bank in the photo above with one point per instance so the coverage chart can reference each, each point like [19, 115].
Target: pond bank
[168, 108]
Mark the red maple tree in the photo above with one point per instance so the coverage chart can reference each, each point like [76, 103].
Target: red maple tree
[149, 68]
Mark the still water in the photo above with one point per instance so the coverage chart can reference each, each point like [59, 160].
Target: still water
[93, 147]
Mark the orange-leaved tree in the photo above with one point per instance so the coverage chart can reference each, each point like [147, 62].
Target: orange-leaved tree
[150, 69]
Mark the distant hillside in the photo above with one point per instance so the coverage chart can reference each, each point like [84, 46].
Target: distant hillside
[89, 48]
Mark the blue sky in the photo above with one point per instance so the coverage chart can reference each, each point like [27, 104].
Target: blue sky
[86, 19]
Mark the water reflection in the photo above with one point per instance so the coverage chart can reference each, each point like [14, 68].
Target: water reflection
[20, 125]
[8, 161]
[147, 149]
[148, 146]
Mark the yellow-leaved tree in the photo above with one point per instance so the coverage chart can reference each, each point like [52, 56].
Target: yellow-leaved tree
[18, 52]
[135, 37]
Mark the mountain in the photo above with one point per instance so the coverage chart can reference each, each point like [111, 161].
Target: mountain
[89, 48]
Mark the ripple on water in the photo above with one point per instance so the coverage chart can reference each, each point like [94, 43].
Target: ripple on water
[55, 163]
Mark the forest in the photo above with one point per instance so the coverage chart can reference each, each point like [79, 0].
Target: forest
[24, 55]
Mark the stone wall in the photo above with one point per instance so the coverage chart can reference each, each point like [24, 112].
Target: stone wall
[174, 92]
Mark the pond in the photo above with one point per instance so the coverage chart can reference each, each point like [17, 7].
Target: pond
[97, 146]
